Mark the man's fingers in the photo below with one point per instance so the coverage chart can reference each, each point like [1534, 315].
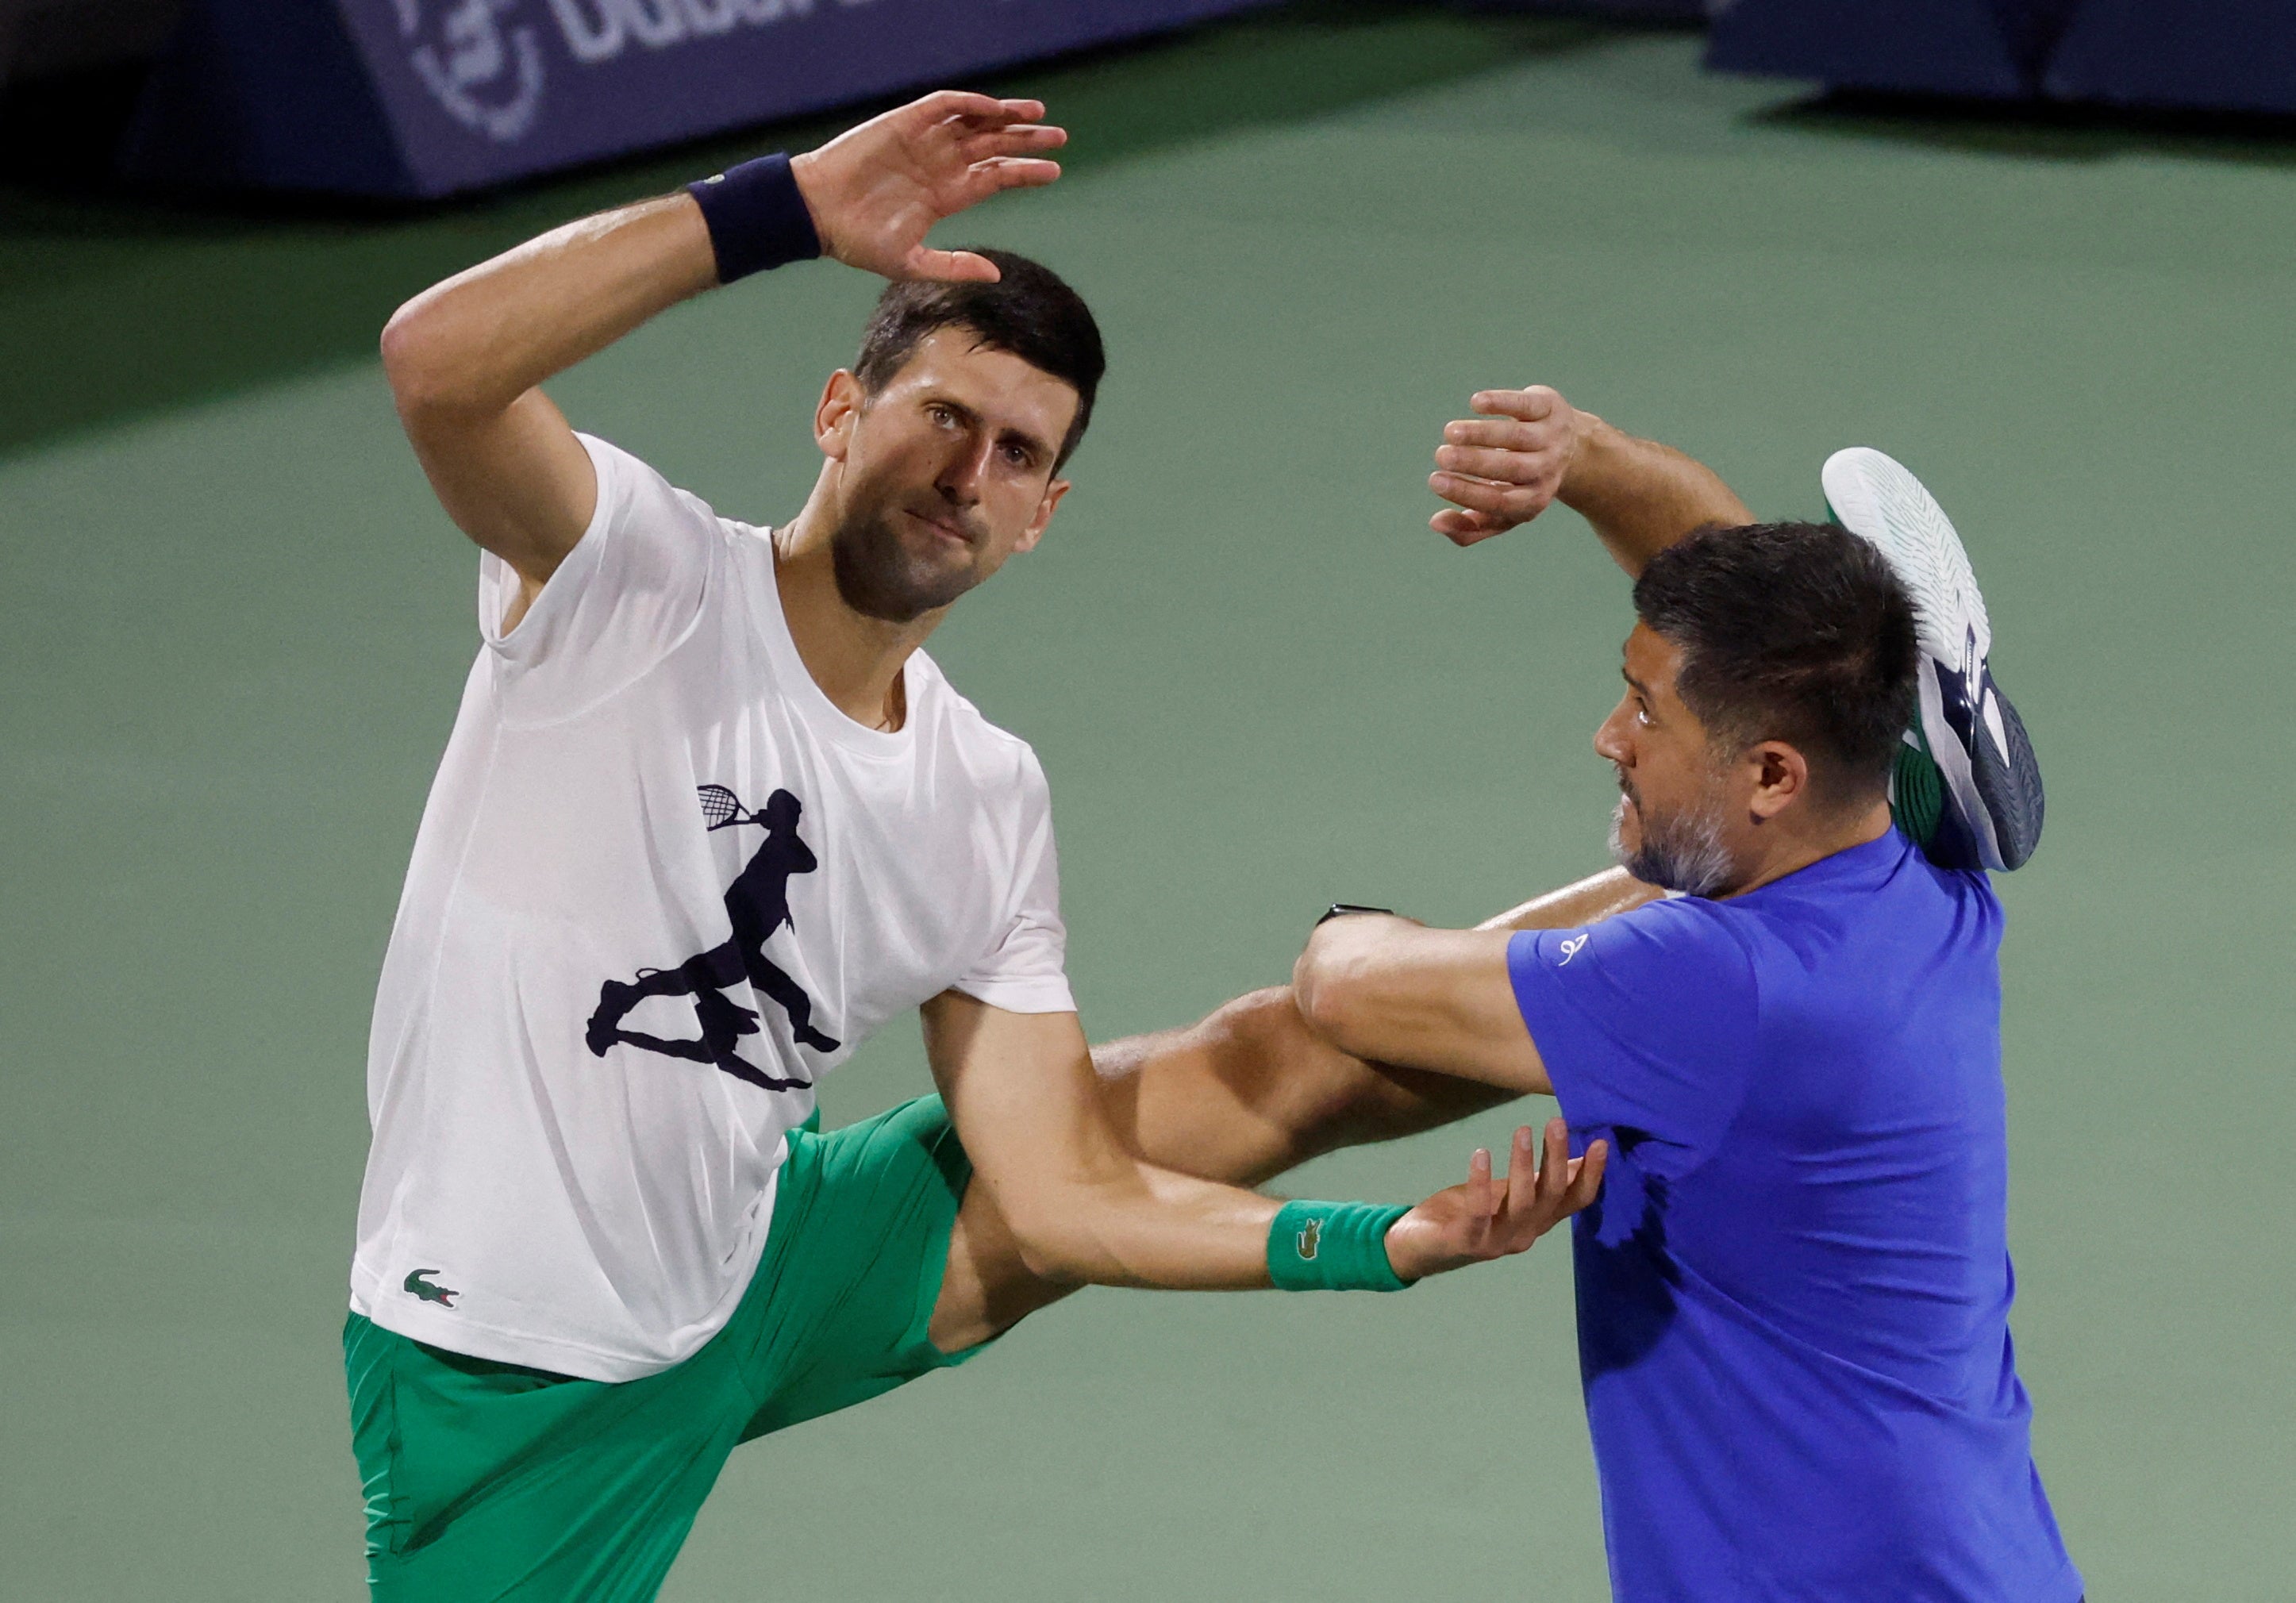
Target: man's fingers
[1476, 495]
[1588, 1179]
[1021, 111]
[1528, 405]
[980, 126]
[943, 104]
[1465, 529]
[1481, 495]
[1026, 140]
[1008, 137]
[1523, 1179]
[1505, 466]
[1482, 1196]
[956, 267]
[1554, 1175]
[985, 178]
[1502, 434]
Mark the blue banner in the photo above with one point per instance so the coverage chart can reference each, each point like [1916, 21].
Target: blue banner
[2233, 55]
[426, 97]
[1923, 46]
[1633, 11]
[2221, 54]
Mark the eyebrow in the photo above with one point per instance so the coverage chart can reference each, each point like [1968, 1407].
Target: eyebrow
[1640, 689]
[1037, 448]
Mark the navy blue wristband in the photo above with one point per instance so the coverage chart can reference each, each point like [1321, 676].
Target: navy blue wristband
[757, 218]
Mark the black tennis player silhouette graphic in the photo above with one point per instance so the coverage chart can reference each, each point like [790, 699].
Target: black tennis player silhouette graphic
[757, 904]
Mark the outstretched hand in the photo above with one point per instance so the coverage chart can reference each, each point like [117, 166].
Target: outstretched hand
[1505, 466]
[877, 190]
[1493, 1218]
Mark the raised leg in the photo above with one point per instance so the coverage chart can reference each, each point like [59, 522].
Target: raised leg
[1251, 1092]
[1240, 1097]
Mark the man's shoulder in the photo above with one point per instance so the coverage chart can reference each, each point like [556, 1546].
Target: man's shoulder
[1690, 928]
[997, 758]
[1648, 1021]
[633, 486]
[1680, 946]
[955, 716]
[1884, 887]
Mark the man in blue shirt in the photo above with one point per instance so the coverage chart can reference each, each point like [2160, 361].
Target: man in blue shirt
[1794, 1291]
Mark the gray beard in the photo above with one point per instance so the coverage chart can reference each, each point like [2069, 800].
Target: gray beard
[1683, 852]
[879, 577]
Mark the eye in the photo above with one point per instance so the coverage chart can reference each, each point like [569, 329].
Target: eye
[1643, 715]
[1019, 456]
[941, 415]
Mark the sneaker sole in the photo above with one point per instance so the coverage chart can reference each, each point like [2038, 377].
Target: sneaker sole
[1969, 727]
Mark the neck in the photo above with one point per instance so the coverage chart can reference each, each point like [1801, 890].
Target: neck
[856, 659]
[1791, 854]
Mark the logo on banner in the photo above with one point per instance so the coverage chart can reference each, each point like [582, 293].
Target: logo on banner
[487, 75]
[599, 30]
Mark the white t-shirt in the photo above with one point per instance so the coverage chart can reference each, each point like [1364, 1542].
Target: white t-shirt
[587, 1049]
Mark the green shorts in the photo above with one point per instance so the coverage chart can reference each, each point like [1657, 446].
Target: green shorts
[490, 1481]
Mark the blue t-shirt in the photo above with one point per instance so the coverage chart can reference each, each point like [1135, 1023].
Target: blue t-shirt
[1794, 1291]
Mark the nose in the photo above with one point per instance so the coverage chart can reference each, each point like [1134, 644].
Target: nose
[966, 470]
[1611, 742]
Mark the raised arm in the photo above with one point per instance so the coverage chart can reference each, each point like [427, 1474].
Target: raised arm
[1528, 448]
[1022, 1092]
[1588, 901]
[1389, 990]
[465, 358]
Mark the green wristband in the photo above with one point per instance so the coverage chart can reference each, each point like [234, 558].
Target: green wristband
[1332, 1247]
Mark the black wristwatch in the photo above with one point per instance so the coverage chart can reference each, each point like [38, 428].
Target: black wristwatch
[1340, 909]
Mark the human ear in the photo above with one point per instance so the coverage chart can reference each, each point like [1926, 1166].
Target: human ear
[1782, 775]
[1053, 492]
[838, 410]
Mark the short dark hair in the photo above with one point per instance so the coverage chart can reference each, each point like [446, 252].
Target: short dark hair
[1793, 632]
[1029, 312]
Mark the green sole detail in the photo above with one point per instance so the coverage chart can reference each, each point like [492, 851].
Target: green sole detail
[1916, 794]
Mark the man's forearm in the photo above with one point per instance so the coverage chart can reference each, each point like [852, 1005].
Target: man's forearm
[1389, 990]
[478, 341]
[1642, 496]
[1590, 900]
[1254, 1090]
[1151, 1229]
[1081, 1208]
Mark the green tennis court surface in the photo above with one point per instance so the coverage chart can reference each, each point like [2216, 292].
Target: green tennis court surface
[234, 626]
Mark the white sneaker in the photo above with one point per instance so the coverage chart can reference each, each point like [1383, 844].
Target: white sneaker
[1991, 815]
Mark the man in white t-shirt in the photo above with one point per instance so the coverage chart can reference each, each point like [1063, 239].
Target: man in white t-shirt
[707, 818]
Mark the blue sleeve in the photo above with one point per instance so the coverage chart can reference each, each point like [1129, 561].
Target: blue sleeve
[1645, 1022]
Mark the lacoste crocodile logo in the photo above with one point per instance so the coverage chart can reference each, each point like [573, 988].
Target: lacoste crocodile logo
[1310, 1238]
[444, 1295]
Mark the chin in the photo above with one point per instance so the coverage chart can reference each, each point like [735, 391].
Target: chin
[1625, 832]
[888, 570]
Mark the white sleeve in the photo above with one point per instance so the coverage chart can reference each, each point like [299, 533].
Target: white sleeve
[1026, 970]
[629, 591]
